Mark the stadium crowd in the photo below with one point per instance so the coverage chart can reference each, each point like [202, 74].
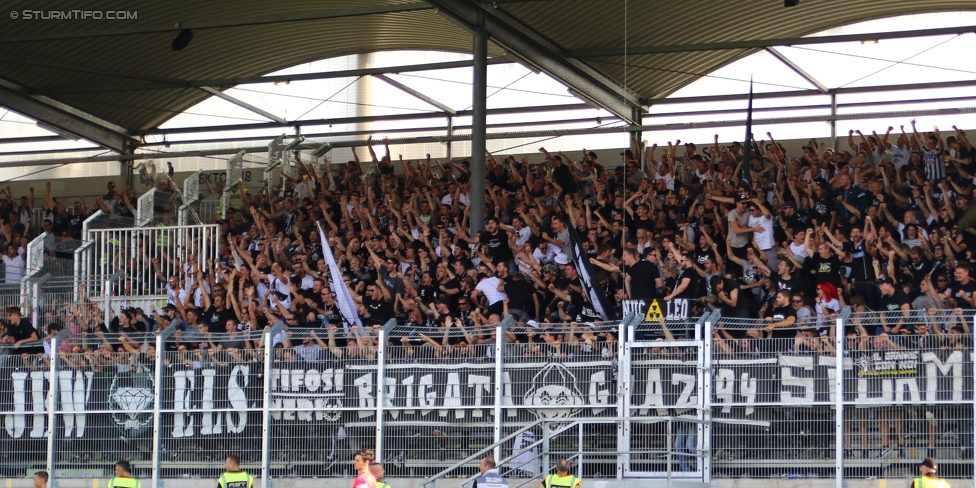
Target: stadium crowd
[754, 232]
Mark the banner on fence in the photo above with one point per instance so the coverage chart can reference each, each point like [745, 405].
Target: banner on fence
[205, 399]
[676, 309]
[214, 399]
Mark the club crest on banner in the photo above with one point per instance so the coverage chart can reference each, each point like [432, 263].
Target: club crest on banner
[554, 386]
[131, 398]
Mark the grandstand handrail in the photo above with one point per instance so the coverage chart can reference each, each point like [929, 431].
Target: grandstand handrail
[565, 425]
[850, 318]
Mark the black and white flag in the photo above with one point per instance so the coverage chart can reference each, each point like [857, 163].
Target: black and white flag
[592, 290]
[347, 307]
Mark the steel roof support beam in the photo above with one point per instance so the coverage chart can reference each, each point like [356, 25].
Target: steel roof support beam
[806, 93]
[764, 43]
[509, 135]
[362, 120]
[71, 123]
[416, 94]
[797, 69]
[244, 105]
[254, 80]
[544, 55]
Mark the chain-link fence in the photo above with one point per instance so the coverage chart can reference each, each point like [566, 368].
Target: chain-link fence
[869, 395]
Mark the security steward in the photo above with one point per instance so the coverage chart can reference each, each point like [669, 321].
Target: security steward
[123, 476]
[489, 477]
[929, 477]
[234, 477]
[379, 473]
[562, 478]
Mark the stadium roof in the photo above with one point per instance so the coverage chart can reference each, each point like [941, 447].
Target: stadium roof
[107, 80]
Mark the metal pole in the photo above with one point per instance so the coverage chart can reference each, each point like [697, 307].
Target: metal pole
[52, 428]
[108, 304]
[639, 120]
[545, 449]
[833, 119]
[266, 406]
[381, 387]
[450, 133]
[623, 394]
[478, 121]
[35, 305]
[839, 404]
[669, 444]
[704, 440]
[499, 380]
[158, 403]
[974, 414]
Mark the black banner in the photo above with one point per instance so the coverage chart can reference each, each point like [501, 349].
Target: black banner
[202, 400]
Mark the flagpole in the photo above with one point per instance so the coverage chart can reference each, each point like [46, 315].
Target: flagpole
[745, 176]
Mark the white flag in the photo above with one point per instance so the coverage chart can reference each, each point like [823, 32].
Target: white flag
[347, 307]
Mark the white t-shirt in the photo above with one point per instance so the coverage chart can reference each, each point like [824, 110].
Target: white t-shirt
[15, 268]
[449, 200]
[172, 296]
[549, 256]
[523, 236]
[489, 287]
[799, 251]
[765, 238]
[825, 307]
[900, 156]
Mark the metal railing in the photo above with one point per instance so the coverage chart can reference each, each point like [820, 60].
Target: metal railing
[147, 257]
[871, 397]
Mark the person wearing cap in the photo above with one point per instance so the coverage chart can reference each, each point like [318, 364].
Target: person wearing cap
[928, 470]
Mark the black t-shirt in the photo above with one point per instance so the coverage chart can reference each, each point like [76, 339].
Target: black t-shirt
[792, 284]
[861, 262]
[918, 272]
[21, 331]
[821, 211]
[692, 290]
[520, 294]
[498, 248]
[217, 320]
[825, 270]
[968, 289]
[428, 294]
[642, 280]
[380, 311]
[896, 300]
[780, 314]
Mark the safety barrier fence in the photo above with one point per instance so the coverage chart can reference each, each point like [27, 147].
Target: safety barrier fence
[148, 257]
[858, 396]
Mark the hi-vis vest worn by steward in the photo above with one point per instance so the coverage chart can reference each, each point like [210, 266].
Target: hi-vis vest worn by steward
[235, 479]
[931, 482]
[120, 482]
[568, 481]
[382, 484]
